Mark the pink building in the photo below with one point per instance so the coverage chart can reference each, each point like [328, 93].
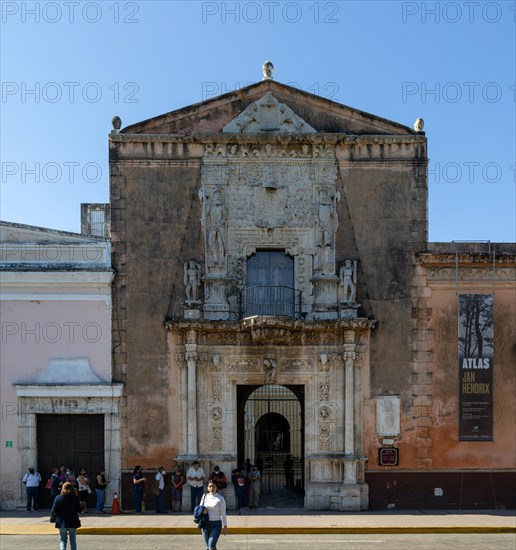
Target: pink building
[59, 402]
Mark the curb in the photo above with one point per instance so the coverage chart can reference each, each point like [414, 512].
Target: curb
[50, 530]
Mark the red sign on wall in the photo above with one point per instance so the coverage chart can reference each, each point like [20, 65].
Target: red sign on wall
[388, 456]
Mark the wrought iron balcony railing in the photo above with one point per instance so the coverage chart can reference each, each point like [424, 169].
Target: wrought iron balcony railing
[270, 300]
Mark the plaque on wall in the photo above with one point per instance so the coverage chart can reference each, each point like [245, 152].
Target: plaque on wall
[387, 456]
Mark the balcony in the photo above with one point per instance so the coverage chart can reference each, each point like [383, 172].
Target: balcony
[279, 301]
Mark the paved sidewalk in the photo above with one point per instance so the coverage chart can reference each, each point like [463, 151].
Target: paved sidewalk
[275, 521]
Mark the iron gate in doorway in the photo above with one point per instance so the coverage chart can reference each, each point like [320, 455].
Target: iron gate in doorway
[271, 435]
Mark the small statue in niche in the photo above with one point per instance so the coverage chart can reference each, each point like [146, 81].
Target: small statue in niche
[269, 369]
[325, 222]
[192, 279]
[348, 280]
[216, 217]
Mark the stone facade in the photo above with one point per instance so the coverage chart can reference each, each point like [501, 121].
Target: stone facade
[196, 196]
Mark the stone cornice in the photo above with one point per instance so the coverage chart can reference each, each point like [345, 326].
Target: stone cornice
[268, 330]
[282, 139]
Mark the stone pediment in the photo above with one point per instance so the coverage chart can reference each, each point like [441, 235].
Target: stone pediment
[268, 116]
[245, 111]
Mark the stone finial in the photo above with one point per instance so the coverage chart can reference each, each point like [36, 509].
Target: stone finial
[267, 70]
[419, 125]
[116, 122]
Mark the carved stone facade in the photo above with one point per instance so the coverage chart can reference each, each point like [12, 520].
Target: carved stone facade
[199, 197]
[332, 369]
[268, 194]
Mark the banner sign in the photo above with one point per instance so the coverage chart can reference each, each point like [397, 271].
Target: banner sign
[475, 340]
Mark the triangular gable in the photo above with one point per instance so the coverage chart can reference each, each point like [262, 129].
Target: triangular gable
[316, 113]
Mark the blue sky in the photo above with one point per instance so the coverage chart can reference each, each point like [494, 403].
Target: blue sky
[68, 67]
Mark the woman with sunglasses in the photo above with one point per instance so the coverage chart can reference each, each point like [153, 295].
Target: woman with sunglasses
[215, 505]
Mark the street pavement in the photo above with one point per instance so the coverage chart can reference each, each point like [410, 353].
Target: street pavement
[274, 542]
[275, 521]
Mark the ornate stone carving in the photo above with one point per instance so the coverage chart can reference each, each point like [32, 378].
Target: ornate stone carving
[269, 370]
[326, 412]
[324, 436]
[216, 389]
[326, 226]
[216, 438]
[217, 363]
[471, 274]
[294, 365]
[270, 335]
[270, 116]
[348, 280]
[216, 218]
[324, 364]
[244, 365]
[192, 280]
[217, 414]
[324, 389]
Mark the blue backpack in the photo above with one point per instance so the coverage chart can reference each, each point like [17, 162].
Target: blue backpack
[199, 517]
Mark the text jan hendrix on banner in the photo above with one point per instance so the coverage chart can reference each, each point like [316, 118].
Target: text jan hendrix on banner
[475, 339]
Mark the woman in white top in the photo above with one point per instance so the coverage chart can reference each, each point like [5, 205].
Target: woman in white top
[215, 505]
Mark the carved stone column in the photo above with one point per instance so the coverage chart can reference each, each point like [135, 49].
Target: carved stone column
[349, 358]
[191, 361]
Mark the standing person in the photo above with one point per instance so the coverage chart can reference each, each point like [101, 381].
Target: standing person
[100, 489]
[195, 477]
[71, 477]
[239, 482]
[255, 479]
[31, 480]
[177, 488]
[160, 484]
[138, 485]
[66, 508]
[216, 506]
[287, 467]
[54, 483]
[84, 489]
[220, 479]
[63, 478]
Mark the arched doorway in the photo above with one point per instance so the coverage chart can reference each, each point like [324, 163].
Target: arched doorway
[272, 433]
[270, 430]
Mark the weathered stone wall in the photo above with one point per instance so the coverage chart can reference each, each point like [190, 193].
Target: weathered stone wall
[156, 227]
[155, 223]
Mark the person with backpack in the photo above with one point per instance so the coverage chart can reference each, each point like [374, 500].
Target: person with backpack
[65, 510]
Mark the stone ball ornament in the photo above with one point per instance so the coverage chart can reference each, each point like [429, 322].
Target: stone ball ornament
[267, 70]
[419, 125]
[116, 122]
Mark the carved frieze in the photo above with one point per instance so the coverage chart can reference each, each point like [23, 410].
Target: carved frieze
[471, 274]
[295, 365]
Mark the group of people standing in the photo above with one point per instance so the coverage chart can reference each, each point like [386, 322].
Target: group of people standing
[157, 487]
[69, 498]
[81, 483]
